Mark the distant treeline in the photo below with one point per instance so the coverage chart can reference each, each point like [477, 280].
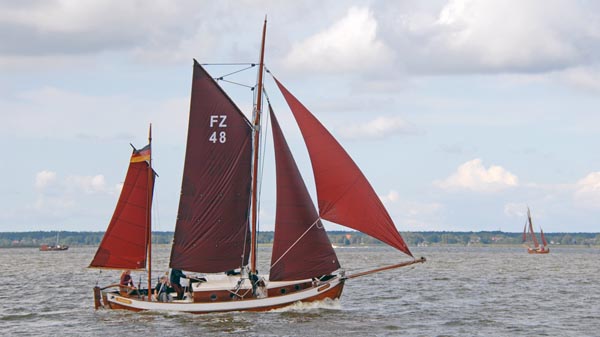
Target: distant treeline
[339, 238]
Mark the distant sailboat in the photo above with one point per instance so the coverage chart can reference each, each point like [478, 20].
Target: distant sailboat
[55, 247]
[216, 228]
[537, 248]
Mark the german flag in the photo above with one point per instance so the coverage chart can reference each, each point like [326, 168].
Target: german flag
[140, 155]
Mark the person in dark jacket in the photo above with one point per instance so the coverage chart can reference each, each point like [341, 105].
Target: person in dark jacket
[160, 291]
[176, 276]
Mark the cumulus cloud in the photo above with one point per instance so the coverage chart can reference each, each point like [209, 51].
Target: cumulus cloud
[349, 44]
[473, 176]
[59, 198]
[88, 184]
[380, 127]
[44, 179]
[391, 197]
[73, 185]
[456, 36]
[468, 36]
[587, 191]
[72, 27]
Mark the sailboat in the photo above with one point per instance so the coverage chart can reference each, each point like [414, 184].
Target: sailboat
[56, 247]
[216, 227]
[537, 248]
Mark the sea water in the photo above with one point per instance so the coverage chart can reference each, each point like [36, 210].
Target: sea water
[459, 291]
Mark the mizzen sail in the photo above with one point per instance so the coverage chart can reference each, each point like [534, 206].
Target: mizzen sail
[544, 242]
[124, 245]
[344, 194]
[212, 230]
[301, 248]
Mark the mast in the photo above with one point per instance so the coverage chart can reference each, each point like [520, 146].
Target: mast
[149, 216]
[256, 132]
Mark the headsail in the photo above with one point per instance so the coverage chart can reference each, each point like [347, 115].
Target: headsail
[212, 231]
[124, 243]
[344, 194]
[301, 248]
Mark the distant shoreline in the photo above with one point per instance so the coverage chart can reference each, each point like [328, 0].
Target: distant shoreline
[337, 238]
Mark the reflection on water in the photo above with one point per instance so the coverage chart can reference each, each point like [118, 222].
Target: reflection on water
[457, 292]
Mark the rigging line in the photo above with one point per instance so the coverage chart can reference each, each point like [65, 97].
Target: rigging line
[297, 240]
[262, 164]
[254, 174]
[229, 64]
[236, 83]
[235, 72]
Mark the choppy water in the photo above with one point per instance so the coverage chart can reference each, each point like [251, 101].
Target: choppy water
[458, 292]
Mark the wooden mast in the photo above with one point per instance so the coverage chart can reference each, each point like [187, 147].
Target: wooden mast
[149, 216]
[259, 88]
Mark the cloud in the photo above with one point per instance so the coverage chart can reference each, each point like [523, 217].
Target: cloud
[473, 176]
[515, 209]
[587, 191]
[349, 44]
[587, 78]
[73, 27]
[379, 127]
[391, 197]
[412, 215]
[44, 179]
[469, 36]
[50, 112]
[88, 184]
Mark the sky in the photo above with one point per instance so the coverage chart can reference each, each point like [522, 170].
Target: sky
[461, 113]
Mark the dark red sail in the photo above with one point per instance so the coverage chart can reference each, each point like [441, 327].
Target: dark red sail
[124, 245]
[544, 242]
[301, 248]
[344, 194]
[533, 238]
[212, 231]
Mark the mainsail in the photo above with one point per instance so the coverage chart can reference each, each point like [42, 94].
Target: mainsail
[301, 248]
[124, 245]
[344, 194]
[212, 231]
[533, 238]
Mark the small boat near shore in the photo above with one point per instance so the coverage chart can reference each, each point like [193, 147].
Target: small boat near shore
[55, 247]
[529, 233]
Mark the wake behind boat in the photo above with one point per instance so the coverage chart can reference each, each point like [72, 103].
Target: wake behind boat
[216, 228]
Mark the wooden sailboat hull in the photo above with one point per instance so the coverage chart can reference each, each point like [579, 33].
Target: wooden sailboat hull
[331, 289]
[538, 251]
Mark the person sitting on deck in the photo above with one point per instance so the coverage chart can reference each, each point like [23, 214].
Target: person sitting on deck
[127, 283]
[160, 291]
[176, 276]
